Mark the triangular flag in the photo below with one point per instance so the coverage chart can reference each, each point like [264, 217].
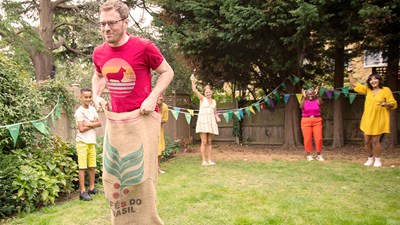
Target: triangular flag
[177, 109]
[321, 91]
[191, 111]
[329, 93]
[352, 97]
[277, 96]
[248, 111]
[58, 111]
[40, 126]
[52, 119]
[336, 94]
[262, 106]
[175, 113]
[286, 97]
[14, 132]
[295, 80]
[241, 113]
[299, 96]
[308, 85]
[283, 85]
[230, 114]
[226, 116]
[345, 91]
[257, 105]
[271, 103]
[237, 115]
[188, 117]
[251, 109]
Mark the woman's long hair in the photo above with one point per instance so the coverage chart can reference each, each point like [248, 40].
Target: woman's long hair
[378, 77]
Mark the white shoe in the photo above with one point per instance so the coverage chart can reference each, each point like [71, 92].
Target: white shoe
[369, 162]
[319, 158]
[377, 162]
[310, 158]
[211, 163]
[204, 163]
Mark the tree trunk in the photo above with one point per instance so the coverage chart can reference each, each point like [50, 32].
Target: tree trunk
[338, 137]
[392, 139]
[292, 123]
[42, 61]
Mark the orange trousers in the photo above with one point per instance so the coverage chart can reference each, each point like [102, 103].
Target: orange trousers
[312, 127]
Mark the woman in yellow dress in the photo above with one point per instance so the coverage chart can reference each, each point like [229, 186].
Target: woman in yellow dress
[375, 120]
[163, 110]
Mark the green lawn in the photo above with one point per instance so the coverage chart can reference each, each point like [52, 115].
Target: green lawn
[247, 192]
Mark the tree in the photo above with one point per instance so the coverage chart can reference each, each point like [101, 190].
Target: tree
[62, 23]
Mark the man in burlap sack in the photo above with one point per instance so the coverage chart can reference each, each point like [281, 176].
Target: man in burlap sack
[124, 63]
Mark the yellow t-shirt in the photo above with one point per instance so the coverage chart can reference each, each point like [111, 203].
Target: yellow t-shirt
[375, 119]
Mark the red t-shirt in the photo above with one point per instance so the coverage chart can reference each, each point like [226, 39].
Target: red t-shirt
[127, 70]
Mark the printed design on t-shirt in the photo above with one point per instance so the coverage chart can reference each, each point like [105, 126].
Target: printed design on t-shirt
[120, 77]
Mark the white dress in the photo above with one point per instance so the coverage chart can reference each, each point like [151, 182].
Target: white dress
[206, 122]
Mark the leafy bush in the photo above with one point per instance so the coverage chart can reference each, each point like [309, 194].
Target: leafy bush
[8, 170]
[171, 147]
[44, 173]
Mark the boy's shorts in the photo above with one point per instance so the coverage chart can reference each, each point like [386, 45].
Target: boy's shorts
[86, 155]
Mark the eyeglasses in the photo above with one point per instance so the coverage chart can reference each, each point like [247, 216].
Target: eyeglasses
[111, 23]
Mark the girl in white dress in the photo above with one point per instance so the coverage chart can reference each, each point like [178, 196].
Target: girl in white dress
[206, 122]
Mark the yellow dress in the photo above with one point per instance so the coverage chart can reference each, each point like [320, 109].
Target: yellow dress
[164, 119]
[375, 119]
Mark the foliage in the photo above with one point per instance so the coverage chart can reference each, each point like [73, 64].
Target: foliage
[171, 147]
[8, 171]
[44, 172]
[22, 100]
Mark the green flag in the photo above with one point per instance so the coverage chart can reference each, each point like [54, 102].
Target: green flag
[345, 91]
[295, 80]
[40, 126]
[188, 117]
[352, 97]
[58, 111]
[283, 85]
[14, 132]
[321, 91]
[336, 94]
[226, 116]
[257, 105]
[277, 96]
[175, 113]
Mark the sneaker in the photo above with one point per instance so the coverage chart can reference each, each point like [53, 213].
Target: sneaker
[369, 162]
[161, 171]
[211, 163]
[310, 158]
[377, 162]
[84, 196]
[93, 191]
[319, 158]
[204, 163]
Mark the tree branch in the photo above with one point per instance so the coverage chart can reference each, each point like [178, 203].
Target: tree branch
[64, 24]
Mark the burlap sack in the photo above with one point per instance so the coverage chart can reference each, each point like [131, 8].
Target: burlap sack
[130, 167]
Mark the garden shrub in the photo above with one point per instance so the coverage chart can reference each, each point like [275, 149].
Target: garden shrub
[171, 147]
[44, 173]
[42, 166]
[8, 170]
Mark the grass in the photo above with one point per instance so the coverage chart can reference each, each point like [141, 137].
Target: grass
[255, 193]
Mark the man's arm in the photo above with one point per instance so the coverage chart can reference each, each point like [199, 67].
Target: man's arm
[165, 78]
[98, 85]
